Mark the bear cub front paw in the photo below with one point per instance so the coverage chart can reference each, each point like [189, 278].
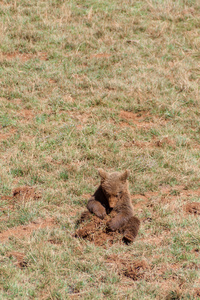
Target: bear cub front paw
[111, 226]
[101, 213]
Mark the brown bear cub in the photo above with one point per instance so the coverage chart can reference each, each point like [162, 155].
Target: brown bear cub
[113, 197]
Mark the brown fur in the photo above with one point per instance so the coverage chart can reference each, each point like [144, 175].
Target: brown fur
[113, 197]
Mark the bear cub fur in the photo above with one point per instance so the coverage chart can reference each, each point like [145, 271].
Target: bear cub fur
[113, 197]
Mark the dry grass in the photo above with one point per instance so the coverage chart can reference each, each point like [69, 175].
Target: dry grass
[112, 84]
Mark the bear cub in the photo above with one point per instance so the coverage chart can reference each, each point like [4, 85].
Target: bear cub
[113, 197]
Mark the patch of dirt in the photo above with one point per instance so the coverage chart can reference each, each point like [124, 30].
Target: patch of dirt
[136, 118]
[26, 114]
[94, 230]
[20, 232]
[20, 261]
[151, 194]
[23, 56]
[190, 192]
[155, 143]
[149, 144]
[100, 55]
[142, 119]
[139, 196]
[25, 193]
[193, 208]
[166, 193]
[128, 267]
[5, 136]
[139, 205]
[19, 194]
[144, 199]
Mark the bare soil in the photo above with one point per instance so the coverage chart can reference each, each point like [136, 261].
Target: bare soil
[25, 193]
[26, 114]
[101, 55]
[23, 56]
[20, 232]
[155, 143]
[94, 230]
[5, 136]
[193, 208]
[141, 119]
[20, 194]
[168, 192]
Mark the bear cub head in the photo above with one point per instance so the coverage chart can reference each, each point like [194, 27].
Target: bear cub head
[113, 185]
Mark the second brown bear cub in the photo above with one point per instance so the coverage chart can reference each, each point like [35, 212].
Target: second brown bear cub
[113, 197]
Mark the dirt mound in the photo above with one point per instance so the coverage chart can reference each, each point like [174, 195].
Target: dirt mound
[95, 230]
[127, 267]
[20, 261]
[193, 208]
[26, 230]
[25, 193]
[19, 194]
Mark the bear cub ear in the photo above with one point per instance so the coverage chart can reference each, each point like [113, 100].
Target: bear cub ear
[103, 174]
[124, 175]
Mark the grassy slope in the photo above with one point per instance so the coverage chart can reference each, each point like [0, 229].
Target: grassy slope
[60, 119]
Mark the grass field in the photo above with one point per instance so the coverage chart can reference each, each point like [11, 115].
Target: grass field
[99, 84]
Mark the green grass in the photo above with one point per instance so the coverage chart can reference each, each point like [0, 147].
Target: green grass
[61, 118]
